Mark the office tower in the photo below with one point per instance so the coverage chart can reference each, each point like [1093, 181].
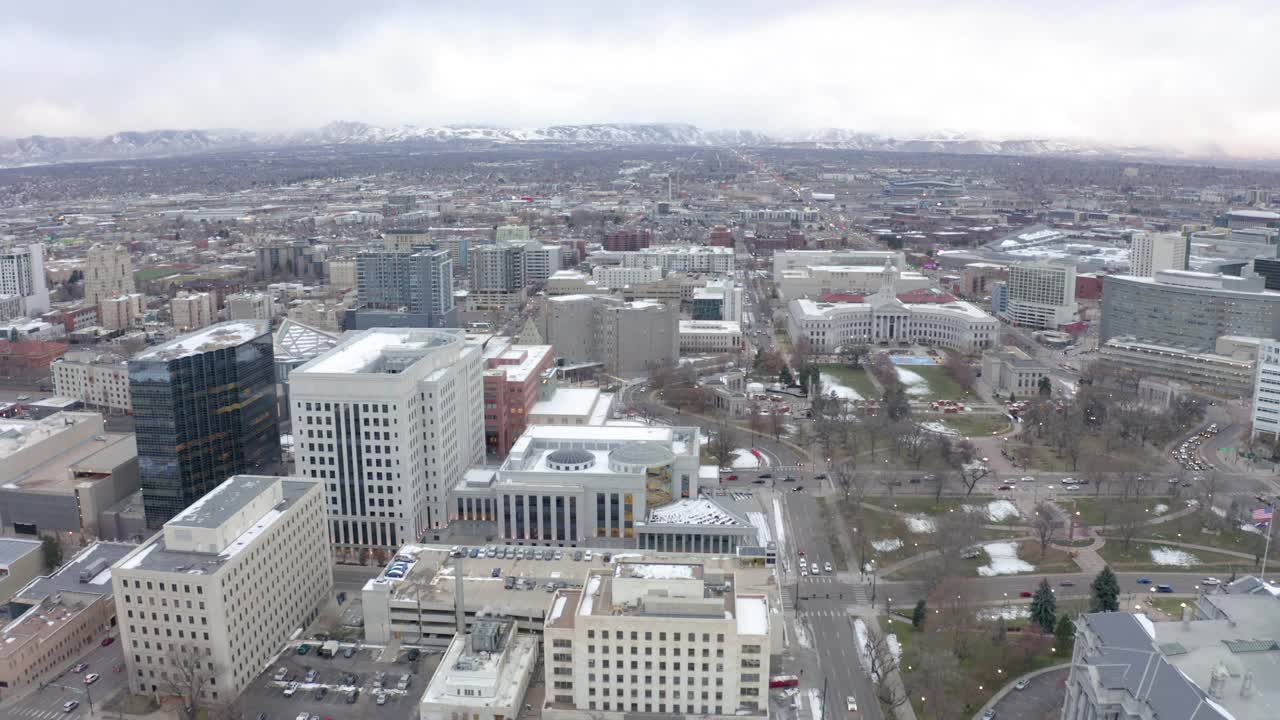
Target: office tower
[1153, 252]
[1042, 295]
[417, 284]
[22, 274]
[1266, 391]
[389, 420]
[627, 338]
[204, 407]
[295, 259]
[1185, 309]
[497, 268]
[540, 262]
[250, 306]
[108, 273]
[191, 311]
[217, 592]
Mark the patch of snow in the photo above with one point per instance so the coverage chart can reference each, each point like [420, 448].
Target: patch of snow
[1001, 510]
[660, 571]
[936, 426]
[744, 459]
[1172, 556]
[1146, 624]
[589, 596]
[1160, 509]
[136, 560]
[101, 578]
[1011, 612]
[887, 545]
[761, 523]
[1251, 528]
[248, 536]
[753, 615]
[832, 386]
[692, 512]
[1004, 560]
[864, 652]
[778, 528]
[921, 524]
[895, 649]
[815, 703]
[915, 382]
[558, 608]
[1218, 511]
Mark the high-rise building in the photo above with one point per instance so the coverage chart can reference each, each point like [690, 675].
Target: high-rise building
[1185, 309]
[300, 259]
[627, 338]
[121, 312]
[191, 311]
[341, 272]
[1268, 268]
[540, 261]
[1042, 295]
[627, 240]
[512, 376]
[225, 583]
[419, 284]
[108, 273]
[250, 306]
[497, 268]
[389, 420]
[715, 641]
[22, 274]
[1266, 391]
[204, 408]
[1153, 252]
[404, 240]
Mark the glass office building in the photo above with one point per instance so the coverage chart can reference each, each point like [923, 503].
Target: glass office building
[204, 408]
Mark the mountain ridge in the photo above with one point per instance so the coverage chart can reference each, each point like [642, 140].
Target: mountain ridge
[46, 150]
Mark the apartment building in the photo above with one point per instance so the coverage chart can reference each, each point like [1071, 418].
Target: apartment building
[1154, 252]
[341, 272]
[418, 285]
[541, 261]
[670, 639]
[682, 258]
[204, 407]
[121, 312]
[108, 273]
[627, 240]
[250, 306]
[1042, 295]
[618, 277]
[22, 275]
[388, 420]
[98, 379]
[223, 586]
[192, 311]
[512, 376]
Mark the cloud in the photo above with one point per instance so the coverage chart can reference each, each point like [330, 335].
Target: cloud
[1181, 74]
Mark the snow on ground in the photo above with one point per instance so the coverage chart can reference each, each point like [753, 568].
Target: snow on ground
[744, 459]
[864, 653]
[1251, 528]
[895, 649]
[996, 510]
[941, 428]
[1218, 511]
[887, 545]
[815, 703]
[1160, 509]
[831, 385]
[1004, 560]
[802, 635]
[915, 382]
[1011, 612]
[921, 524]
[1172, 556]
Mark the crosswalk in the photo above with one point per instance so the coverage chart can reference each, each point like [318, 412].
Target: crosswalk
[827, 613]
[32, 713]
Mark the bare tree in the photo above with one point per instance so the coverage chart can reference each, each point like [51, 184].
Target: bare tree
[723, 442]
[1129, 518]
[1044, 526]
[776, 422]
[189, 672]
[879, 653]
[755, 421]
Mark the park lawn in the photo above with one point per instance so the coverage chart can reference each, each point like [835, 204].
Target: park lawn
[985, 669]
[859, 379]
[971, 424]
[1138, 559]
[1190, 529]
[1168, 605]
[826, 513]
[925, 505]
[877, 525]
[1042, 457]
[1091, 509]
[941, 386]
[1053, 562]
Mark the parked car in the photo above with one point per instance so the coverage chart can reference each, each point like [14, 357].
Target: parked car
[1021, 684]
[414, 654]
[80, 667]
[1144, 581]
[290, 689]
[765, 476]
[348, 652]
[760, 481]
[496, 572]
[731, 478]
[107, 641]
[353, 695]
[1066, 583]
[312, 675]
[989, 715]
[381, 698]
[820, 476]
[1025, 594]
[475, 553]
[826, 567]
[303, 649]
[321, 692]
[577, 555]
[281, 674]
[1164, 588]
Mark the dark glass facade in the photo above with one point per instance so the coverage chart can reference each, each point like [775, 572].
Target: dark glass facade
[200, 419]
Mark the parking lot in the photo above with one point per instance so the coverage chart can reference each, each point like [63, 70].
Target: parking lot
[338, 676]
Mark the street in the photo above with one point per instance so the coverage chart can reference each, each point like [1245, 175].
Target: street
[47, 704]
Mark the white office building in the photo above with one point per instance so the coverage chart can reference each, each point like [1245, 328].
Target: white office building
[483, 674]
[22, 274]
[727, 293]
[1042, 295]
[814, 282]
[682, 258]
[802, 259]
[541, 262]
[250, 306]
[886, 320]
[657, 640]
[388, 420]
[702, 337]
[1266, 391]
[1154, 252]
[223, 586]
[99, 380]
[619, 276]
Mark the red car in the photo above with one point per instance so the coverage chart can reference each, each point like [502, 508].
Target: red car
[1005, 487]
[107, 641]
[1025, 593]
[732, 477]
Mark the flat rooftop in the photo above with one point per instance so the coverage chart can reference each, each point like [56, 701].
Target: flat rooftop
[366, 353]
[721, 327]
[220, 336]
[518, 362]
[14, 549]
[568, 401]
[19, 435]
[56, 475]
[67, 577]
[222, 502]
[44, 620]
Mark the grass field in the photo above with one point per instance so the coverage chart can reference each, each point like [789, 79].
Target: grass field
[1042, 457]
[1094, 510]
[1138, 559]
[971, 424]
[941, 386]
[859, 380]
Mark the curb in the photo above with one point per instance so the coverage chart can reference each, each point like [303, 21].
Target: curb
[1008, 687]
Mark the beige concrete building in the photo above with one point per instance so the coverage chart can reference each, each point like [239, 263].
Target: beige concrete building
[666, 638]
[627, 338]
[698, 337]
[1154, 252]
[108, 273]
[121, 312]
[99, 380]
[191, 311]
[224, 585]
[1011, 370]
[483, 675]
[250, 306]
[342, 272]
[20, 562]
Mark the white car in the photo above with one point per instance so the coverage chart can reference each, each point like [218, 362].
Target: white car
[381, 698]
[1211, 581]
[1073, 488]
[291, 689]
[1020, 685]
[815, 570]
[826, 567]
[1027, 479]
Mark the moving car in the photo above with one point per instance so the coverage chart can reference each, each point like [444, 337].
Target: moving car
[69, 706]
[107, 641]
[80, 667]
[1211, 581]
[1005, 487]
[1144, 581]
[1164, 588]
[91, 678]
[1025, 593]
[765, 476]
[732, 477]
[1021, 684]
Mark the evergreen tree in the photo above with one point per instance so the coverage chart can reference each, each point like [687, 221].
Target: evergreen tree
[1045, 387]
[1106, 591]
[1044, 607]
[1064, 636]
[784, 377]
[52, 551]
[918, 615]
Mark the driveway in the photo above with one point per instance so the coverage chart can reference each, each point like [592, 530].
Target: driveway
[1042, 700]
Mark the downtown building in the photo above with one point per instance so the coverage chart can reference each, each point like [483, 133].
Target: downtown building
[1154, 252]
[1186, 309]
[627, 338]
[1266, 392]
[388, 421]
[1041, 295]
[682, 258]
[108, 273]
[22, 277]
[657, 639]
[210, 599]
[204, 408]
[413, 289]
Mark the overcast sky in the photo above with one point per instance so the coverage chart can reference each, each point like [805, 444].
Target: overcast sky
[1196, 75]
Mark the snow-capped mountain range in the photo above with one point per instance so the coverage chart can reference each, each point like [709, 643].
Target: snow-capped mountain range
[40, 150]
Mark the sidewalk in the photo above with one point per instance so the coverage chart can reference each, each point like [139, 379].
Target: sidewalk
[894, 680]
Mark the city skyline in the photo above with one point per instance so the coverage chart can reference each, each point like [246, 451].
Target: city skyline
[1111, 74]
